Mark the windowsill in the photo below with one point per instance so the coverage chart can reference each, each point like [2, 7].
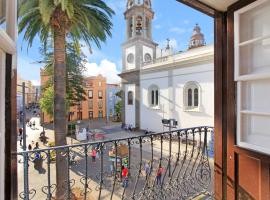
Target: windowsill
[154, 107]
[192, 109]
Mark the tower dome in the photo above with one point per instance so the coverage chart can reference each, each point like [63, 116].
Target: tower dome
[197, 38]
[131, 3]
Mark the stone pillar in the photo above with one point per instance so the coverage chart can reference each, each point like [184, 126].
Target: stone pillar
[134, 26]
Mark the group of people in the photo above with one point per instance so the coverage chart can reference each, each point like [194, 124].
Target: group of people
[127, 127]
[31, 124]
[147, 169]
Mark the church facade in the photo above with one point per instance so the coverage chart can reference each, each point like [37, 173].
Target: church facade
[160, 84]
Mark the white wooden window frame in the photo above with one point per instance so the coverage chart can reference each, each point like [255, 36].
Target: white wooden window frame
[248, 77]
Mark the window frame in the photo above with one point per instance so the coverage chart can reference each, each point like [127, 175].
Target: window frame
[154, 96]
[92, 96]
[130, 102]
[244, 132]
[189, 98]
[100, 94]
[90, 104]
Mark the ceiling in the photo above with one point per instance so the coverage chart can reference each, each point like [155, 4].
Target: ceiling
[220, 5]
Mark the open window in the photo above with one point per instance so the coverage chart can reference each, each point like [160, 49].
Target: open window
[252, 74]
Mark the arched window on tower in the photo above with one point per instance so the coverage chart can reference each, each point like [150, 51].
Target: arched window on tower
[139, 25]
[153, 93]
[192, 96]
[130, 98]
[147, 27]
[130, 28]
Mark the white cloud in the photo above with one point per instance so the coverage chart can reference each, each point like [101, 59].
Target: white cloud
[186, 21]
[178, 30]
[106, 68]
[158, 26]
[36, 82]
[118, 7]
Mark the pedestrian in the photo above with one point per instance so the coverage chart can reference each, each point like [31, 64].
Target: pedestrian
[124, 176]
[94, 154]
[34, 124]
[37, 146]
[30, 124]
[20, 135]
[29, 147]
[112, 168]
[147, 168]
[159, 174]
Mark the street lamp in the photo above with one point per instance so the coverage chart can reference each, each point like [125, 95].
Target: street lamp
[24, 113]
[170, 123]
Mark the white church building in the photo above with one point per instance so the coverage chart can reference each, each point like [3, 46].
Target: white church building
[160, 84]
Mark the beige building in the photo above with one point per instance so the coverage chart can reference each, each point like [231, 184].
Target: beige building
[30, 91]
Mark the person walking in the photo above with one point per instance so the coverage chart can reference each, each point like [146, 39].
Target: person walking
[94, 154]
[147, 168]
[20, 135]
[29, 147]
[159, 174]
[124, 176]
[34, 124]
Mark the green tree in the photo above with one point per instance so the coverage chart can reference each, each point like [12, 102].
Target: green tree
[46, 102]
[74, 79]
[63, 21]
[118, 109]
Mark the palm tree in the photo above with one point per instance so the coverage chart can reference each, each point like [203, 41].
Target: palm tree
[59, 22]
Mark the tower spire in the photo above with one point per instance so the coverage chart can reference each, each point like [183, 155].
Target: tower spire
[139, 16]
[197, 38]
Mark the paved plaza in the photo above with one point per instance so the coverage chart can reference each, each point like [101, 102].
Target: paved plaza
[38, 179]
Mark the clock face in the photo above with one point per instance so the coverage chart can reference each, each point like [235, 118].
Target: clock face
[130, 58]
[147, 57]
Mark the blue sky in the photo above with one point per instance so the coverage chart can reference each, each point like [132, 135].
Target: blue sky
[172, 20]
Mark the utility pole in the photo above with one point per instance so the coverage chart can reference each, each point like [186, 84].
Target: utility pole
[24, 115]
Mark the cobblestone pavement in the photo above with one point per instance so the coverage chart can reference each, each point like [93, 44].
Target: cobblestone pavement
[137, 181]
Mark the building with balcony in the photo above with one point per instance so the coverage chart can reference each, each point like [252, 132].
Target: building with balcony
[31, 93]
[93, 107]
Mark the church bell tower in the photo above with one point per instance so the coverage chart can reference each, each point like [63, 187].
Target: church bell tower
[137, 50]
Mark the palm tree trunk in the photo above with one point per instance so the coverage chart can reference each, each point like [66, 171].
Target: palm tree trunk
[60, 123]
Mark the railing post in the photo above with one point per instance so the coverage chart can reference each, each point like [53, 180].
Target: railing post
[26, 178]
[49, 175]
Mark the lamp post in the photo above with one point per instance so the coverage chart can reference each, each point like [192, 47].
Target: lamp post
[170, 123]
[24, 125]
[24, 112]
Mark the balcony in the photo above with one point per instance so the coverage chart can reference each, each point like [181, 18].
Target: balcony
[182, 155]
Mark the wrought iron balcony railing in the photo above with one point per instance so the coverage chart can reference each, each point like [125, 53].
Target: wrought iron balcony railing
[168, 165]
